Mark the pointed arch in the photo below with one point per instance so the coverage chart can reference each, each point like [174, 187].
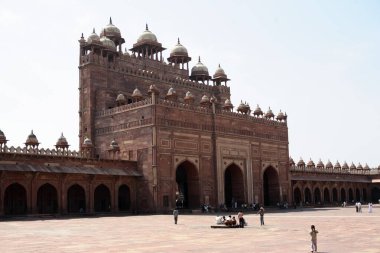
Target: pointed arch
[47, 199]
[124, 198]
[271, 186]
[15, 200]
[102, 199]
[326, 195]
[233, 185]
[297, 196]
[187, 180]
[76, 199]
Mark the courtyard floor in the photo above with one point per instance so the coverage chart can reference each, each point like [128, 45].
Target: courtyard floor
[340, 230]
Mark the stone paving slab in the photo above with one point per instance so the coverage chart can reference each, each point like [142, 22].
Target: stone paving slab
[340, 230]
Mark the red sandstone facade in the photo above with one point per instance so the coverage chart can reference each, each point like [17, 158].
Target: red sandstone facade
[153, 132]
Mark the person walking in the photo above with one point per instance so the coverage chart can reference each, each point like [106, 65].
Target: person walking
[175, 214]
[313, 235]
[261, 212]
[241, 219]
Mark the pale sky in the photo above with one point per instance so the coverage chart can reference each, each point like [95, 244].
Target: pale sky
[319, 61]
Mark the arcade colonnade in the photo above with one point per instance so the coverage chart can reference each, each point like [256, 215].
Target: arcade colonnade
[40, 193]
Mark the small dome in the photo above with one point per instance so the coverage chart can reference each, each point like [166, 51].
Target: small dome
[121, 98]
[345, 166]
[258, 112]
[301, 163]
[366, 167]
[205, 100]
[137, 94]
[310, 164]
[199, 69]
[228, 105]
[93, 38]
[329, 165]
[87, 143]
[147, 36]
[32, 140]
[111, 31]
[291, 162]
[62, 142]
[153, 89]
[320, 164]
[269, 114]
[179, 50]
[189, 97]
[219, 73]
[172, 94]
[114, 146]
[280, 116]
[3, 139]
[352, 166]
[109, 44]
[360, 167]
[337, 165]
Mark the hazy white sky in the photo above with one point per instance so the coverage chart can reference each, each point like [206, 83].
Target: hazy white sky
[317, 60]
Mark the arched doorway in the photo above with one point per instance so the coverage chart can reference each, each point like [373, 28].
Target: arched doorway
[307, 196]
[188, 185]
[271, 187]
[233, 186]
[15, 200]
[375, 194]
[365, 195]
[102, 199]
[335, 195]
[47, 199]
[357, 195]
[350, 195]
[317, 196]
[124, 198]
[76, 199]
[297, 195]
[326, 196]
[342, 195]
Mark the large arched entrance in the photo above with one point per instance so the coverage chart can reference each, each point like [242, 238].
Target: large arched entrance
[317, 196]
[375, 194]
[365, 195]
[342, 195]
[102, 199]
[47, 199]
[326, 196]
[297, 195]
[350, 195]
[233, 185]
[307, 196]
[271, 187]
[124, 200]
[357, 195]
[188, 185]
[76, 199]
[335, 195]
[15, 200]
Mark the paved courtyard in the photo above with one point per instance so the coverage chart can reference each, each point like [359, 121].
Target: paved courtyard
[340, 230]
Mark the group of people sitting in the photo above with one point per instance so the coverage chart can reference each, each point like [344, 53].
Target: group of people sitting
[231, 221]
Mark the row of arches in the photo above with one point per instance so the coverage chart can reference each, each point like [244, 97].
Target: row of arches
[188, 185]
[15, 199]
[318, 196]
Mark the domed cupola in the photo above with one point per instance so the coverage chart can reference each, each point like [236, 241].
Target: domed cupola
[320, 164]
[301, 163]
[3, 139]
[310, 164]
[121, 100]
[62, 143]
[352, 166]
[147, 46]
[112, 33]
[258, 112]
[179, 55]
[199, 72]
[87, 143]
[171, 95]
[228, 105]
[107, 43]
[189, 98]
[329, 165]
[243, 108]
[136, 95]
[366, 167]
[94, 38]
[345, 166]
[280, 116]
[32, 140]
[337, 166]
[360, 167]
[220, 76]
[291, 162]
[269, 114]
[153, 89]
[205, 101]
[114, 146]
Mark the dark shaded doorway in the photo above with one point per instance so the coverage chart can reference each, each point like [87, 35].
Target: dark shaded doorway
[47, 199]
[76, 199]
[375, 194]
[307, 196]
[233, 186]
[297, 195]
[350, 195]
[335, 195]
[271, 187]
[317, 196]
[188, 185]
[124, 200]
[326, 196]
[102, 199]
[365, 199]
[15, 200]
[342, 195]
[357, 195]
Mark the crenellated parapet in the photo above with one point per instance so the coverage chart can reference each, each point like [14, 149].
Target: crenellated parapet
[40, 151]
